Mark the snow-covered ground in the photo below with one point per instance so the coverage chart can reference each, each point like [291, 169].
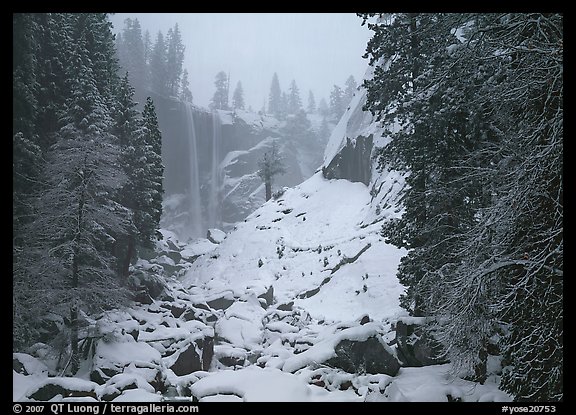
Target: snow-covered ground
[274, 310]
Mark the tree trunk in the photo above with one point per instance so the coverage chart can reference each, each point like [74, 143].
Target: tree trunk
[74, 359]
[268, 190]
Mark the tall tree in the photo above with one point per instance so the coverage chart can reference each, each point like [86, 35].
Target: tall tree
[185, 93]
[294, 101]
[323, 108]
[337, 106]
[474, 104]
[69, 240]
[350, 87]
[270, 165]
[275, 97]
[238, 97]
[311, 109]
[174, 59]
[150, 185]
[131, 53]
[158, 67]
[220, 97]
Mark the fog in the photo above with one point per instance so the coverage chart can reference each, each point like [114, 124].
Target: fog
[317, 50]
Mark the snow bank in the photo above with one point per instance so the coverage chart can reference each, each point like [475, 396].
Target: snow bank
[255, 384]
[324, 350]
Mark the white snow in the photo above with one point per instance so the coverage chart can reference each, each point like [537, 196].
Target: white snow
[255, 384]
[324, 350]
[433, 384]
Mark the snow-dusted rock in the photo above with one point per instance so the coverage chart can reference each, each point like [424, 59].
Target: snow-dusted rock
[65, 387]
[215, 236]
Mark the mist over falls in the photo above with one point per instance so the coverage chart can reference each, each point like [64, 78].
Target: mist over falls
[211, 160]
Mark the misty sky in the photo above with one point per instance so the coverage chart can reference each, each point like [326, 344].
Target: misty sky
[317, 50]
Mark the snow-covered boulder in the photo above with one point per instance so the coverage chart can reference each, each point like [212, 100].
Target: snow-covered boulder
[415, 346]
[65, 387]
[215, 236]
[368, 356]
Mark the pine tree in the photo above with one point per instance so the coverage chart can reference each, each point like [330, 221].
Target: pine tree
[294, 101]
[269, 166]
[474, 118]
[298, 127]
[25, 149]
[275, 97]
[311, 109]
[350, 88]
[324, 132]
[158, 67]
[185, 94]
[67, 267]
[337, 107]
[147, 219]
[131, 53]
[323, 108]
[283, 108]
[238, 97]
[174, 59]
[220, 97]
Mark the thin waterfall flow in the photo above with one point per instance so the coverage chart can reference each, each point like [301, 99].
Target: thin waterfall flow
[195, 207]
[214, 216]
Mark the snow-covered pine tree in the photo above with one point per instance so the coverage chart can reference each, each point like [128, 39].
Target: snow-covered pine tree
[275, 97]
[238, 97]
[174, 59]
[131, 54]
[67, 267]
[147, 220]
[294, 101]
[158, 66]
[311, 108]
[350, 87]
[269, 166]
[220, 98]
[337, 105]
[185, 93]
[479, 103]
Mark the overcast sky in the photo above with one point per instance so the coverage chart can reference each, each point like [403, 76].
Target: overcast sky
[317, 50]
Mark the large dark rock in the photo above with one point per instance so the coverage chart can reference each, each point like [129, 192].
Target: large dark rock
[353, 162]
[368, 356]
[196, 356]
[52, 388]
[207, 346]
[268, 296]
[221, 303]
[416, 347]
[149, 282]
[188, 361]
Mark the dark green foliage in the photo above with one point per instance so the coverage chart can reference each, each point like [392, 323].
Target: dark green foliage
[72, 123]
[473, 106]
[158, 66]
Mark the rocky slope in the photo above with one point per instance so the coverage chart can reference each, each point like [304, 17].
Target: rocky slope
[299, 302]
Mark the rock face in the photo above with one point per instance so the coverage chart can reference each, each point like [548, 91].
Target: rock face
[416, 347]
[368, 356]
[226, 171]
[353, 162]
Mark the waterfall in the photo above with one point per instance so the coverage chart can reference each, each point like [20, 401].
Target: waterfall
[214, 216]
[195, 209]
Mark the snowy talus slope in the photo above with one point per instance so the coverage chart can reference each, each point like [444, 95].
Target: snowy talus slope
[295, 243]
[276, 296]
